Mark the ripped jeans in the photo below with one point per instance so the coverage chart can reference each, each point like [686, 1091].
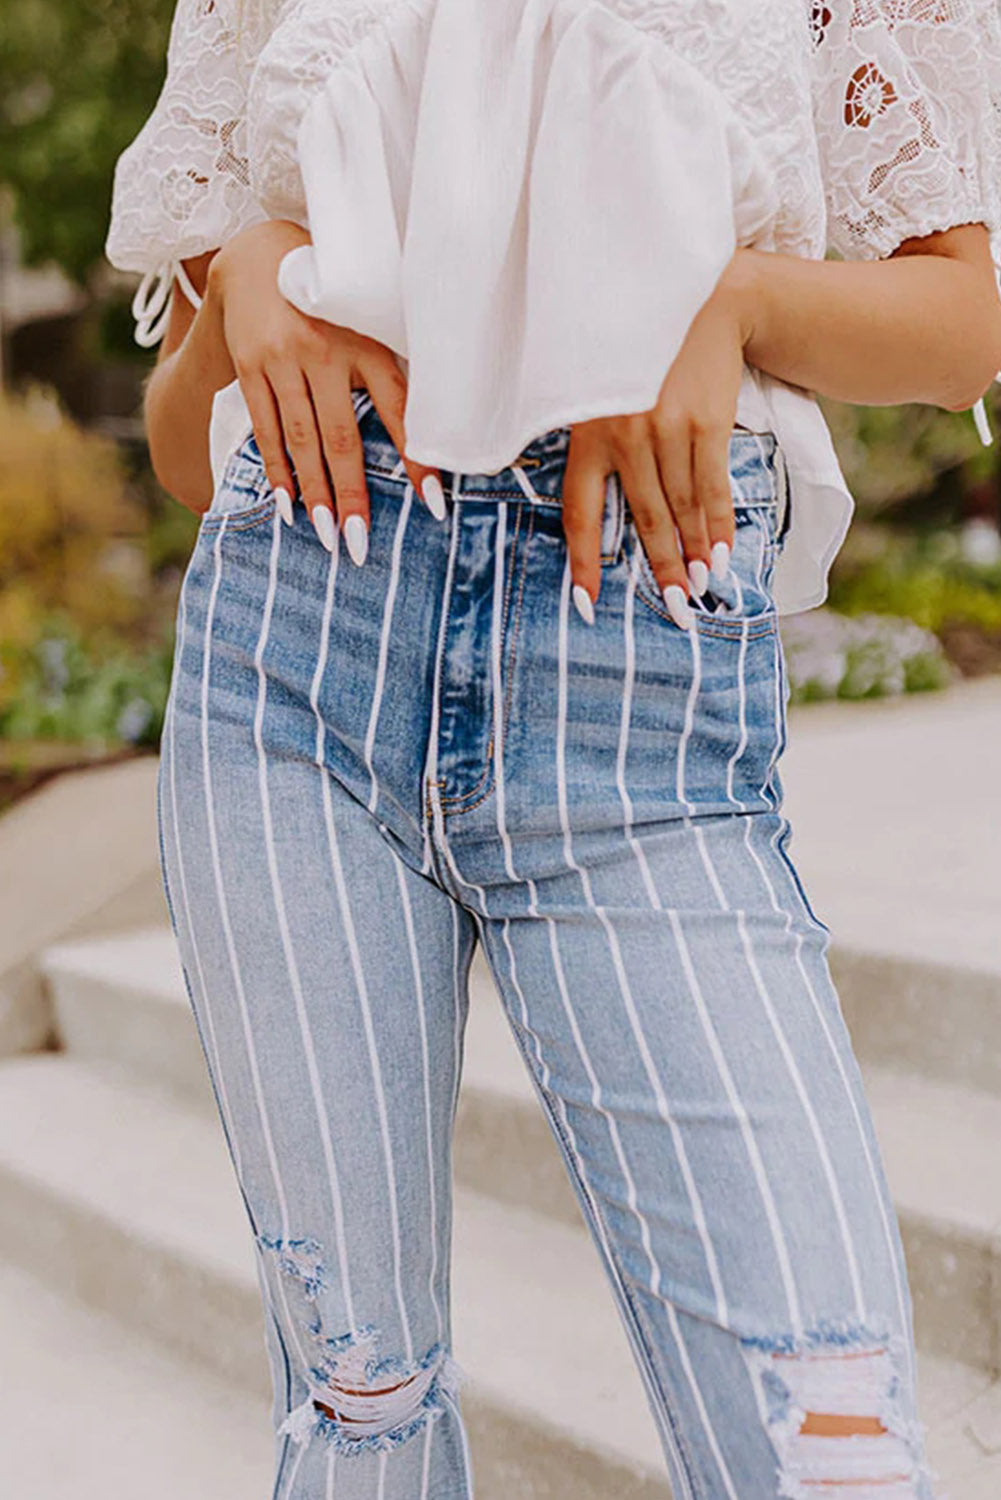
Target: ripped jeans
[367, 769]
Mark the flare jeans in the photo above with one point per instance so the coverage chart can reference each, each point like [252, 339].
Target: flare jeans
[367, 770]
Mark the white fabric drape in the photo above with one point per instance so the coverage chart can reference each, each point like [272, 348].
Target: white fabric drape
[532, 231]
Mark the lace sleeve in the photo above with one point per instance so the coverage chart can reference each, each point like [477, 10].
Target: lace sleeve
[907, 99]
[182, 186]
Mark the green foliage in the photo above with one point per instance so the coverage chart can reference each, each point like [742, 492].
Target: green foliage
[893, 456]
[928, 579]
[68, 690]
[70, 529]
[77, 80]
[85, 625]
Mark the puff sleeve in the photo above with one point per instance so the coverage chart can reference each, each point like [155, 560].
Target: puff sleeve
[907, 105]
[183, 185]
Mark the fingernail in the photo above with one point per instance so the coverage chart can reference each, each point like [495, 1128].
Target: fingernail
[323, 520]
[698, 575]
[584, 603]
[283, 500]
[677, 605]
[434, 496]
[720, 558]
[356, 536]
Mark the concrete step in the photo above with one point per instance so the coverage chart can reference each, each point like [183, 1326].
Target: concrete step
[939, 1145]
[124, 995]
[77, 857]
[138, 1215]
[92, 1410]
[123, 1000]
[129, 1407]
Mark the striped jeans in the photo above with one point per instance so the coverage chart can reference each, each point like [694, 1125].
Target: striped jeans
[367, 769]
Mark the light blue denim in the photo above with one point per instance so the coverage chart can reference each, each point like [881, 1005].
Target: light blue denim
[367, 769]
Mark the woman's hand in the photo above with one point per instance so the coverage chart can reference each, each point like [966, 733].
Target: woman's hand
[673, 462]
[297, 374]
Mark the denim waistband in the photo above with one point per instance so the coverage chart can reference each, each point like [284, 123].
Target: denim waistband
[543, 463]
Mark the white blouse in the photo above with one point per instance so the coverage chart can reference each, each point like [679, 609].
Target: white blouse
[529, 200]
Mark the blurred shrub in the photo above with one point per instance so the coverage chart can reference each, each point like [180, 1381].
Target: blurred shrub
[937, 579]
[893, 456]
[867, 656]
[70, 531]
[83, 633]
[58, 688]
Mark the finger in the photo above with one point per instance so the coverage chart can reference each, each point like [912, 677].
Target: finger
[330, 388]
[655, 524]
[302, 438]
[711, 468]
[264, 415]
[583, 509]
[387, 385]
[673, 445]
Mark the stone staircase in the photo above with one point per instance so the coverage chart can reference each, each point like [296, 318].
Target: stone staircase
[117, 1193]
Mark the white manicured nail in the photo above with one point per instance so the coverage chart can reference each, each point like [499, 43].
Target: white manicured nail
[677, 605]
[323, 520]
[584, 603]
[283, 500]
[720, 557]
[434, 496]
[698, 574]
[356, 536]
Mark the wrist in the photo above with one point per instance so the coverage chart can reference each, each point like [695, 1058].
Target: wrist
[740, 287]
[208, 331]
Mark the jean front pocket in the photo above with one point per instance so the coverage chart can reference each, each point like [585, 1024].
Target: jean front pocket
[243, 497]
[742, 601]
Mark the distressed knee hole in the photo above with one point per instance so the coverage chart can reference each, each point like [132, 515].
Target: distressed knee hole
[357, 1400]
[831, 1403]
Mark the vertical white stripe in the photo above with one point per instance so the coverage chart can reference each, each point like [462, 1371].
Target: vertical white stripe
[431, 762]
[849, 1092]
[331, 1457]
[408, 918]
[358, 972]
[499, 555]
[426, 1460]
[547, 1095]
[686, 732]
[497, 684]
[387, 625]
[467, 1464]
[291, 963]
[300, 1455]
[740, 1113]
[457, 1010]
[232, 1133]
[770, 790]
[629, 1003]
[656, 1083]
[186, 902]
[792, 1067]
[808, 1109]
[383, 1460]
[741, 745]
[227, 928]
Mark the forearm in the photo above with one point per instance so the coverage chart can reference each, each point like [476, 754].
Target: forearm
[915, 327]
[178, 405]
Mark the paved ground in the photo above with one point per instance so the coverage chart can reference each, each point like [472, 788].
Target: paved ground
[896, 812]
